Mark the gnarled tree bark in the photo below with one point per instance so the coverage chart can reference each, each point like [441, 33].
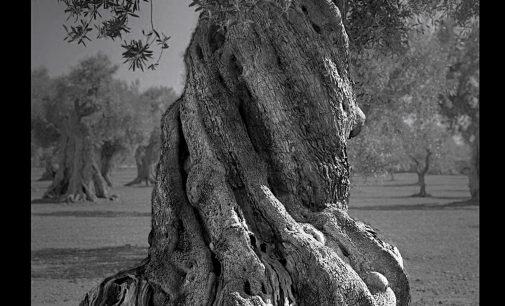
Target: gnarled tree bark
[252, 186]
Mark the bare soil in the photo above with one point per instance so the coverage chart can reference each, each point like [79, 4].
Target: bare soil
[74, 246]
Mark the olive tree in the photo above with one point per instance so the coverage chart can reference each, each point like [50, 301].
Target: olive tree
[250, 201]
[44, 134]
[118, 129]
[459, 29]
[150, 107]
[460, 106]
[89, 110]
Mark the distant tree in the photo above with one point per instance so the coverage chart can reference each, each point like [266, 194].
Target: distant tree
[89, 110]
[146, 157]
[420, 82]
[119, 128]
[460, 106]
[458, 151]
[378, 151]
[44, 134]
[376, 70]
[423, 140]
[151, 105]
[463, 12]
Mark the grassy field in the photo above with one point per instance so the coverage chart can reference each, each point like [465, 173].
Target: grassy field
[73, 246]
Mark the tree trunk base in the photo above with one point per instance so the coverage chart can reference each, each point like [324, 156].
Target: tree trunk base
[140, 180]
[474, 200]
[129, 287]
[75, 198]
[421, 195]
[107, 181]
[47, 176]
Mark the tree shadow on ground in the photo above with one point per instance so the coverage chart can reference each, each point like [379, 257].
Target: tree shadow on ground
[74, 263]
[94, 214]
[409, 196]
[391, 185]
[138, 186]
[47, 201]
[448, 198]
[113, 198]
[466, 204]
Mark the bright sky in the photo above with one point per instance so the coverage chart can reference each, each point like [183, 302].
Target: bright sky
[173, 17]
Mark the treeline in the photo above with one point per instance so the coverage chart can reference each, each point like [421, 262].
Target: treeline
[86, 122]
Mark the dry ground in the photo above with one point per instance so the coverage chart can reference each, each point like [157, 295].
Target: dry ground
[73, 246]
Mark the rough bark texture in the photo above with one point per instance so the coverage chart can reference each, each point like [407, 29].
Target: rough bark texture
[146, 157]
[78, 177]
[252, 186]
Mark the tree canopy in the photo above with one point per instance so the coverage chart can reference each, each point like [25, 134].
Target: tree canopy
[433, 85]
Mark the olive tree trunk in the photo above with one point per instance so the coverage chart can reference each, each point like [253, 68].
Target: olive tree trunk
[49, 169]
[421, 171]
[422, 185]
[252, 186]
[473, 176]
[391, 175]
[78, 177]
[108, 152]
[146, 157]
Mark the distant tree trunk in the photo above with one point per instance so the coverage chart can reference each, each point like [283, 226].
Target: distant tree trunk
[252, 186]
[421, 182]
[78, 177]
[49, 169]
[108, 152]
[146, 158]
[391, 175]
[421, 171]
[473, 176]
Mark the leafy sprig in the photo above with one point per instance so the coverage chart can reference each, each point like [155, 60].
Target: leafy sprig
[87, 18]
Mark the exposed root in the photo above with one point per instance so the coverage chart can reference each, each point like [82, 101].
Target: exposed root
[128, 287]
[140, 180]
[370, 256]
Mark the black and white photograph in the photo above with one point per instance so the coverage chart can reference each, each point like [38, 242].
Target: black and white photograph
[255, 152]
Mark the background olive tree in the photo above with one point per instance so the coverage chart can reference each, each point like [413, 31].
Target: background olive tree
[150, 106]
[87, 117]
[429, 71]
[44, 134]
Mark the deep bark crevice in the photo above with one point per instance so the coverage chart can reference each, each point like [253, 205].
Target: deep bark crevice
[216, 38]
[199, 52]
[316, 28]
